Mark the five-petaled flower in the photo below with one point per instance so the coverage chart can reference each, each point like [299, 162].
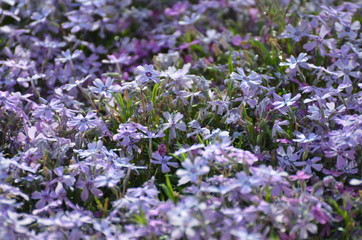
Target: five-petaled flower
[146, 74]
[164, 161]
[173, 122]
[83, 123]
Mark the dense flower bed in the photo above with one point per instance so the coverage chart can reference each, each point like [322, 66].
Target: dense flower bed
[199, 119]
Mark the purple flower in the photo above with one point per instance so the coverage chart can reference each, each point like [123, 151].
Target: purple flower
[173, 122]
[109, 179]
[8, 101]
[146, 73]
[347, 29]
[68, 56]
[88, 185]
[45, 197]
[301, 138]
[343, 154]
[252, 80]
[283, 103]
[78, 21]
[320, 214]
[118, 60]
[46, 111]
[164, 161]
[126, 132]
[296, 33]
[301, 175]
[277, 127]
[319, 42]
[245, 182]
[294, 63]
[309, 164]
[304, 226]
[31, 135]
[192, 170]
[177, 9]
[181, 80]
[188, 20]
[76, 83]
[68, 180]
[104, 88]
[84, 123]
[346, 70]
[286, 159]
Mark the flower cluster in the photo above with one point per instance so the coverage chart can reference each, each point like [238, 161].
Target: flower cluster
[209, 119]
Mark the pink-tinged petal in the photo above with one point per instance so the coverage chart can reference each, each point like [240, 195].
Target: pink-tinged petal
[96, 192]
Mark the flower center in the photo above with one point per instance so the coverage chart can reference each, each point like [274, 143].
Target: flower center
[163, 161]
[148, 74]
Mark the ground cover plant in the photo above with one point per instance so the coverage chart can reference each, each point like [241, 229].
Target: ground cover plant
[199, 119]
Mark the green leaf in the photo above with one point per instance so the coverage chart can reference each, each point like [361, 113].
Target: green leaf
[140, 218]
[167, 188]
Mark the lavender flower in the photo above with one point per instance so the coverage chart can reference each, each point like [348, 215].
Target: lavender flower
[68, 56]
[345, 29]
[296, 33]
[287, 159]
[309, 164]
[45, 197]
[126, 132]
[252, 80]
[173, 122]
[164, 161]
[46, 111]
[283, 103]
[88, 186]
[83, 123]
[192, 170]
[110, 179]
[294, 63]
[8, 101]
[104, 89]
[319, 42]
[146, 73]
[343, 154]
